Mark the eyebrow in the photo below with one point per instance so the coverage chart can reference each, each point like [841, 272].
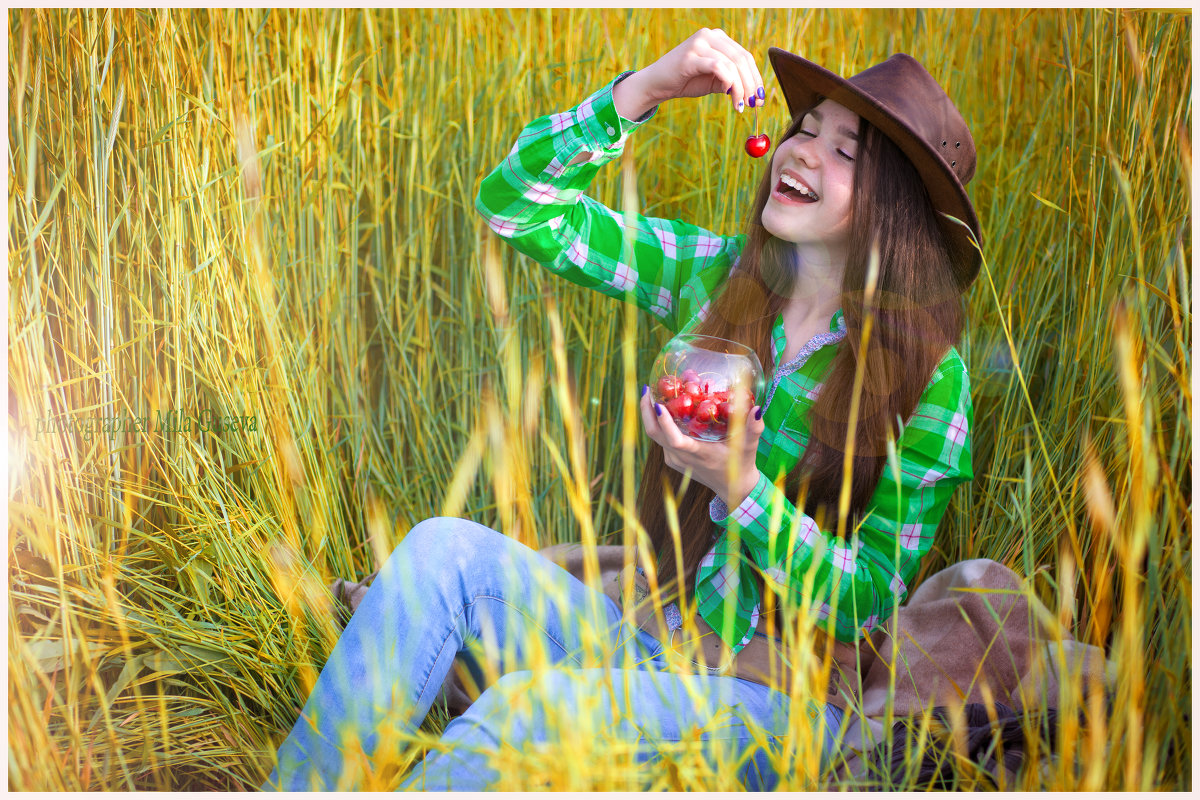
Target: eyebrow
[844, 131]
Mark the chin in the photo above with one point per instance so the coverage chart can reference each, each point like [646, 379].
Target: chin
[781, 234]
[770, 224]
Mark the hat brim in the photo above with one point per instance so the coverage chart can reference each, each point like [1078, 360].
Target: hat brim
[805, 84]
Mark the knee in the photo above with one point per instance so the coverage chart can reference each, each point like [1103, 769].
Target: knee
[443, 549]
[439, 538]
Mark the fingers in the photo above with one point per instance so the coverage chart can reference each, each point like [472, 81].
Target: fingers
[726, 75]
[660, 427]
[746, 91]
[755, 424]
[744, 438]
[707, 462]
[649, 417]
[708, 62]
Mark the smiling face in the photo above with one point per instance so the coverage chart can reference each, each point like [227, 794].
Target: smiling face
[812, 182]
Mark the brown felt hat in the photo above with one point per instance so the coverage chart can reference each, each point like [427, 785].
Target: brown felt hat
[908, 106]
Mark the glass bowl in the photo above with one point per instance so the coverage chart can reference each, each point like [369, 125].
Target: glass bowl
[703, 381]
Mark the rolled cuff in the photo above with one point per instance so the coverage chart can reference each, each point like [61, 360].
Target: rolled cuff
[753, 507]
[601, 127]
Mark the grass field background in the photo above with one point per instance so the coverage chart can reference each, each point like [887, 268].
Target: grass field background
[270, 214]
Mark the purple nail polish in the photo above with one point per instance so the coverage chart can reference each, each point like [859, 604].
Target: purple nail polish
[758, 414]
[645, 388]
[729, 90]
[658, 409]
[762, 93]
[753, 100]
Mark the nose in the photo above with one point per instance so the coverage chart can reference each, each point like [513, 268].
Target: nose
[804, 149]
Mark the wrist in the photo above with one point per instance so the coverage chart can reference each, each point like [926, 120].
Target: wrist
[632, 99]
[742, 489]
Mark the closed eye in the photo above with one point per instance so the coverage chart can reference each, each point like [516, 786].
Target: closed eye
[845, 155]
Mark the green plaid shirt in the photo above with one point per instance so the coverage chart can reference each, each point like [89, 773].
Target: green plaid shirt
[535, 200]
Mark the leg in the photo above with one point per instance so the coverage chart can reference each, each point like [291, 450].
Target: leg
[451, 583]
[732, 722]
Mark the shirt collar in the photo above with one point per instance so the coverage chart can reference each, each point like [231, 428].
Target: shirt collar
[779, 338]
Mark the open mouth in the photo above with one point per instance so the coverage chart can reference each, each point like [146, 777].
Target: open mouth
[795, 190]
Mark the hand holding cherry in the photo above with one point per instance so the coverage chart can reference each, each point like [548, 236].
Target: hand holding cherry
[707, 62]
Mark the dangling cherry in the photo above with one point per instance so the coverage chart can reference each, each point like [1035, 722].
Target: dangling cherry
[758, 145]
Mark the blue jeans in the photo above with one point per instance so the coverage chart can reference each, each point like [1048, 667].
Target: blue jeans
[454, 585]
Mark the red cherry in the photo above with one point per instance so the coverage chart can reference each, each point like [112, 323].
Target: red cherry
[723, 411]
[758, 146]
[706, 412]
[681, 407]
[690, 375]
[668, 387]
[692, 388]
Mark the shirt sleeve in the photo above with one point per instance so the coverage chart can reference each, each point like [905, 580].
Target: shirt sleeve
[860, 581]
[535, 199]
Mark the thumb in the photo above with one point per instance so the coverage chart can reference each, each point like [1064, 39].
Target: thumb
[757, 424]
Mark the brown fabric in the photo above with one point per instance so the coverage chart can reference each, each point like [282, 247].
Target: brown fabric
[350, 594]
[968, 633]
[968, 627]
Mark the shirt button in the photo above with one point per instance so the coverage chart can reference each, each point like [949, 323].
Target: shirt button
[611, 131]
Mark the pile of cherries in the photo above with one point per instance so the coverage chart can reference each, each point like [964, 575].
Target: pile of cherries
[699, 410]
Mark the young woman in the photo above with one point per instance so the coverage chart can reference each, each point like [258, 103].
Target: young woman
[861, 215]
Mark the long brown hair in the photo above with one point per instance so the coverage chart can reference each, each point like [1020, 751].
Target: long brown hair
[917, 315]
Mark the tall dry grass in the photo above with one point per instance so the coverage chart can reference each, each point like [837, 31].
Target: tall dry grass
[269, 214]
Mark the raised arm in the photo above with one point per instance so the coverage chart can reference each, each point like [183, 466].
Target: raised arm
[536, 198]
